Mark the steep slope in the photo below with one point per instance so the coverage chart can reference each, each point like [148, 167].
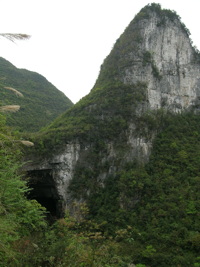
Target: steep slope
[153, 69]
[156, 49]
[41, 102]
[128, 148]
[152, 65]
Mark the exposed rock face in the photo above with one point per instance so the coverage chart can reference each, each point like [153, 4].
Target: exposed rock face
[154, 50]
[50, 178]
[169, 54]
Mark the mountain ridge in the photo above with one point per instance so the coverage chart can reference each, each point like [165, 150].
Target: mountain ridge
[41, 102]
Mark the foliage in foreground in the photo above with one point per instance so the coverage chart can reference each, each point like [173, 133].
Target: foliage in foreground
[19, 217]
[25, 237]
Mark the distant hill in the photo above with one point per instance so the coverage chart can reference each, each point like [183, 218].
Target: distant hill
[41, 103]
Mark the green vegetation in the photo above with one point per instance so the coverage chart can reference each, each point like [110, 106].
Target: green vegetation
[41, 101]
[98, 118]
[25, 237]
[148, 59]
[163, 14]
[147, 215]
[18, 217]
[142, 214]
[154, 207]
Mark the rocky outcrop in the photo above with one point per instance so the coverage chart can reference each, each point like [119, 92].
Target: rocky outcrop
[166, 62]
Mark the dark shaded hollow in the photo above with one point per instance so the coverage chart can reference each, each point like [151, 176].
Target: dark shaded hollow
[43, 189]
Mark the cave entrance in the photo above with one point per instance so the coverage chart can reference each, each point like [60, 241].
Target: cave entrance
[43, 189]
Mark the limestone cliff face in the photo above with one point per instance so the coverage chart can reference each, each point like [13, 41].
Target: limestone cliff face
[50, 178]
[169, 69]
[154, 55]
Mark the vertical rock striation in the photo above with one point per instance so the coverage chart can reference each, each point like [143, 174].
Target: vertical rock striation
[166, 62]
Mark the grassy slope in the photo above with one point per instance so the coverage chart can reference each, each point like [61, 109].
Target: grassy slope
[42, 102]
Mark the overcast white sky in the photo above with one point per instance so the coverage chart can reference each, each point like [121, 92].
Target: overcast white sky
[71, 38]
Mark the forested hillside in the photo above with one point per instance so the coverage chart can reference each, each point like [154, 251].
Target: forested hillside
[147, 214]
[40, 102]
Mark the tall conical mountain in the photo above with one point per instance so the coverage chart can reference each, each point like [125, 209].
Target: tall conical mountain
[130, 148]
[41, 102]
[152, 69]
[155, 49]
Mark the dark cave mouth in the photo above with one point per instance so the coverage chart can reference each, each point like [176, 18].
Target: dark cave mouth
[43, 189]
[50, 204]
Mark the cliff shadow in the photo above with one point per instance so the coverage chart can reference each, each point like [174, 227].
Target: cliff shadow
[43, 189]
